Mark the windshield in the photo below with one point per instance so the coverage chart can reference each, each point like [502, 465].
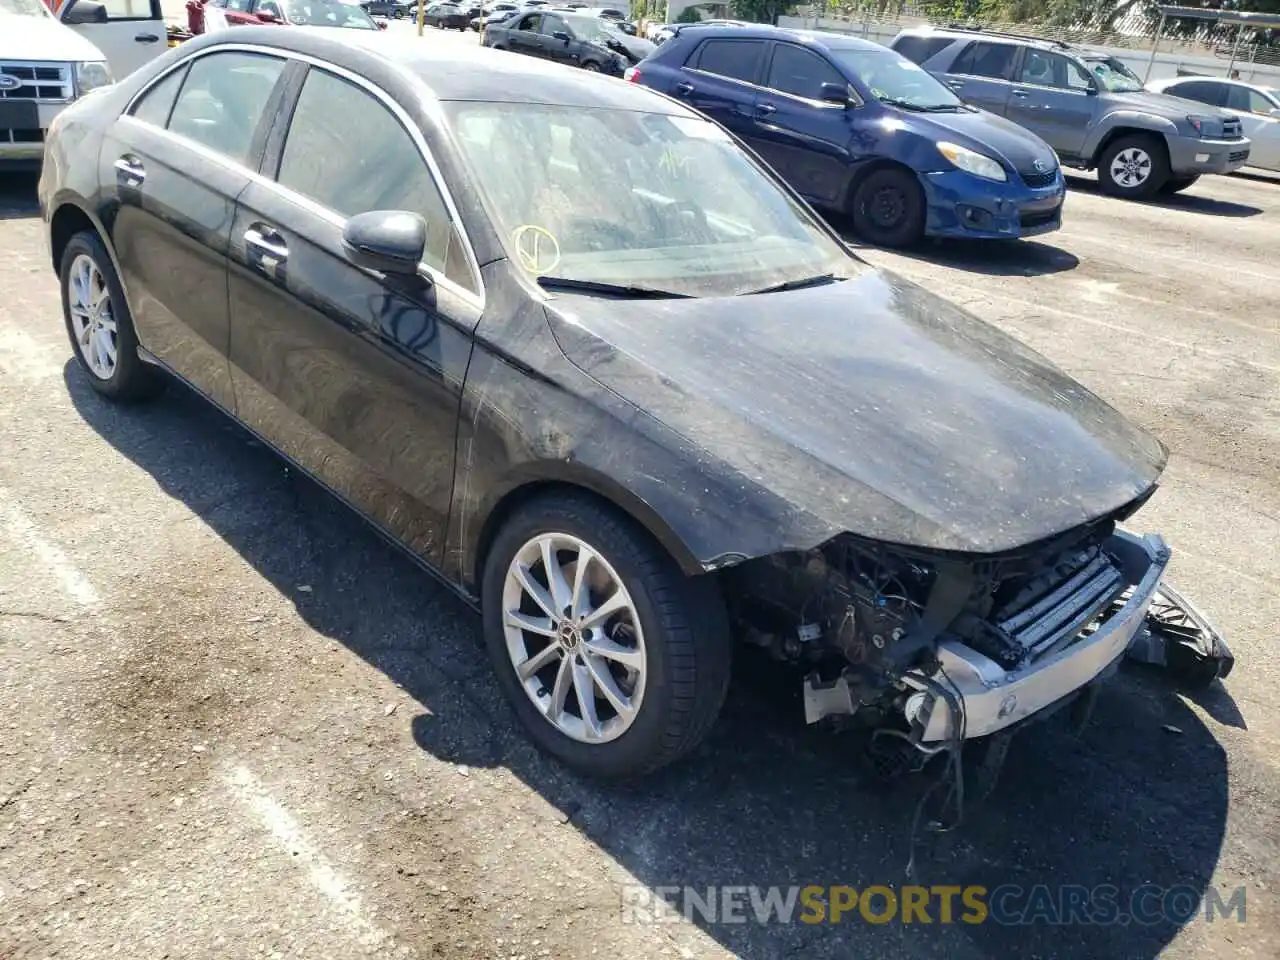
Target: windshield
[608, 196]
[327, 13]
[23, 8]
[895, 80]
[1113, 76]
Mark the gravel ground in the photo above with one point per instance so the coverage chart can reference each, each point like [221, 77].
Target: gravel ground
[238, 725]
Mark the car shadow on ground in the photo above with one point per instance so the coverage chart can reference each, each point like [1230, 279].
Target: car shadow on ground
[765, 801]
[18, 196]
[1177, 201]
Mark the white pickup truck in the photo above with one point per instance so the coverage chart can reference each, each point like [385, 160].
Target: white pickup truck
[48, 58]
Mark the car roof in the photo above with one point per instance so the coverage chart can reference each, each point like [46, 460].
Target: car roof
[963, 33]
[454, 71]
[762, 31]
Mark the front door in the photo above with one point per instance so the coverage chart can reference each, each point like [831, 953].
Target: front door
[178, 162]
[1258, 122]
[356, 376]
[554, 48]
[132, 33]
[1054, 96]
[805, 139]
[523, 36]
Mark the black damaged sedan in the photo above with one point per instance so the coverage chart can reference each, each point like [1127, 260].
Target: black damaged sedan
[600, 371]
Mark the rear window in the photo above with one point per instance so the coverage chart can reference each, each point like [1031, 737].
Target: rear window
[993, 60]
[920, 49]
[735, 59]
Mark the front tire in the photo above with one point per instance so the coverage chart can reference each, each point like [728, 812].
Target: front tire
[1134, 166]
[888, 208]
[99, 323]
[614, 661]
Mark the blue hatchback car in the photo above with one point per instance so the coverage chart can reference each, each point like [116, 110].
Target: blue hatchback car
[856, 128]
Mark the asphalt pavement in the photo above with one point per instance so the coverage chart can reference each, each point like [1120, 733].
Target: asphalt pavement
[238, 725]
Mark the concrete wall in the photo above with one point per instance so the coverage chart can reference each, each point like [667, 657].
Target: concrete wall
[1168, 62]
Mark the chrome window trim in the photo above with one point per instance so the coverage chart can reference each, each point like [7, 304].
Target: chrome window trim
[475, 298]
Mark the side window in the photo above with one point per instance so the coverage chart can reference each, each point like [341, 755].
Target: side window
[993, 60]
[1202, 91]
[1246, 100]
[154, 106]
[348, 152]
[529, 23]
[1077, 76]
[550, 25]
[223, 101]
[735, 59]
[131, 10]
[269, 6]
[240, 6]
[920, 49]
[800, 72]
[1047, 69]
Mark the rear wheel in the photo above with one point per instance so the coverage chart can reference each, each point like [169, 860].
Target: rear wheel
[888, 208]
[613, 660]
[592, 66]
[1134, 166]
[99, 323]
[1178, 184]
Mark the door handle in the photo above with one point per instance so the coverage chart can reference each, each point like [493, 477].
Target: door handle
[1023, 94]
[147, 38]
[129, 171]
[765, 108]
[266, 250]
[955, 84]
[684, 89]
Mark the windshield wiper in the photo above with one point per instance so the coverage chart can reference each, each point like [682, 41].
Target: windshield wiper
[920, 107]
[622, 289]
[819, 280]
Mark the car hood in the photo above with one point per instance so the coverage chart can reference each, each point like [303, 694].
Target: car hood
[871, 406]
[44, 38]
[1162, 105]
[989, 134]
[634, 49]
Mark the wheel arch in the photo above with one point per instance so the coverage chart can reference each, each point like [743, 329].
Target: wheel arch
[1154, 127]
[574, 479]
[866, 169]
[68, 219]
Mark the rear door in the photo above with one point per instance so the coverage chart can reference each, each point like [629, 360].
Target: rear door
[177, 161]
[803, 138]
[1257, 123]
[355, 375]
[982, 74]
[133, 33]
[720, 79]
[1053, 96]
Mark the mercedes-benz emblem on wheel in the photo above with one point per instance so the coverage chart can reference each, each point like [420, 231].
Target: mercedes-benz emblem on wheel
[9, 83]
[1039, 166]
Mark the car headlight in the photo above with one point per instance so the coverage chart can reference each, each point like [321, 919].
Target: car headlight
[1205, 126]
[970, 161]
[92, 74]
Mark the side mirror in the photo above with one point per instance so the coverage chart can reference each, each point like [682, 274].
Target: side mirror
[389, 241]
[85, 11]
[268, 16]
[1092, 91]
[561, 36]
[835, 93]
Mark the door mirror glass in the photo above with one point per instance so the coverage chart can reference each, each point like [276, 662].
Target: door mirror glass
[389, 241]
[86, 11]
[835, 93]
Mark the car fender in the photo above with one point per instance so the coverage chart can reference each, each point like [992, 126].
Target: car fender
[1126, 119]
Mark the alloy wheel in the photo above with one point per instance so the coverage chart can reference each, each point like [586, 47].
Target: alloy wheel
[574, 637]
[92, 317]
[1131, 167]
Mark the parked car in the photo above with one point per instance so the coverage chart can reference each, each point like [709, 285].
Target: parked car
[395, 9]
[573, 39]
[1257, 107]
[506, 12]
[447, 16]
[603, 373]
[671, 29]
[1090, 107]
[860, 130]
[345, 14]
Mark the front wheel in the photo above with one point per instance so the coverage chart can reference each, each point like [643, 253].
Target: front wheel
[99, 323]
[613, 660]
[1135, 166]
[1178, 184]
[888, 208]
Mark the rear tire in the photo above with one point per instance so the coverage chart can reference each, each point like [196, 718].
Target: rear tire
[671, 673]
[592, 66]
[1178, 184]
[99, 323]
[888, 208]
[1135, 166]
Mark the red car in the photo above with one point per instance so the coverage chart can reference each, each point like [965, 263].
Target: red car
[209, 15]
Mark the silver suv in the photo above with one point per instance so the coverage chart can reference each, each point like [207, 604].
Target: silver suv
[1088, 106]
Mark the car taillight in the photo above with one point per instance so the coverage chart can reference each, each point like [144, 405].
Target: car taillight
[631, 75]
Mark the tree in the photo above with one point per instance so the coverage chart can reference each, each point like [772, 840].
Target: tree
[761, 11]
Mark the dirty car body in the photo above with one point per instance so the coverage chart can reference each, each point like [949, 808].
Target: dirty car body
[836, 465]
